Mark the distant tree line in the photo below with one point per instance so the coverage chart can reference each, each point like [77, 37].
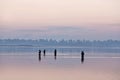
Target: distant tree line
[51, 42]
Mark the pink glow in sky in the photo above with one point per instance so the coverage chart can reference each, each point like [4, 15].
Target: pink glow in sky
[90, 17]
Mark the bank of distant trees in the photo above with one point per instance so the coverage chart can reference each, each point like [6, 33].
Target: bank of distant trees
[51, 42]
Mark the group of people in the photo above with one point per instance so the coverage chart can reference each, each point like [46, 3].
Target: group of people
[44, 53]
[55, 54]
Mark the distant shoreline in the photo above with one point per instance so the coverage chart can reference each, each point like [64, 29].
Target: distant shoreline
[61, 46]
[61, 43]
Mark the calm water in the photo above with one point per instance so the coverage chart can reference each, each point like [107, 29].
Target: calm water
[65, 55]
[12, 49]
[22, 62]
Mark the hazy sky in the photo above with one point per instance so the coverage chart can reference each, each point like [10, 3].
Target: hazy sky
[58, 19]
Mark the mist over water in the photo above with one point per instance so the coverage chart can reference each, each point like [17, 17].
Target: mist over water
[72, 50]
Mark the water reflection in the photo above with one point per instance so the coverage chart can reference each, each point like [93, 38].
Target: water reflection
[62, 58]
[55, 57]
[39, 57]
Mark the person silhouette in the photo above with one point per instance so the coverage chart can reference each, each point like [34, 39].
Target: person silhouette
[82, 56]
[39, 51]
[55, 54]
[44, 51]
[39, 55]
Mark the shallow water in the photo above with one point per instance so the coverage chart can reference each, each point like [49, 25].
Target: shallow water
[23, 63]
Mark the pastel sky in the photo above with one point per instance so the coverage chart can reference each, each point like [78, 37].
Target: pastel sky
[60, 19]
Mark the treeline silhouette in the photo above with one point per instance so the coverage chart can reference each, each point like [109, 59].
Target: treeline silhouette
[51, 42]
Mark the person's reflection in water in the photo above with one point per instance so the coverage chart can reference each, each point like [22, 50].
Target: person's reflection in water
[55, 54]
[39, 55]
[55, 57]
[82, 56]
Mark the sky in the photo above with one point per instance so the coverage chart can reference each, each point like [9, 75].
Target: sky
[60, 19]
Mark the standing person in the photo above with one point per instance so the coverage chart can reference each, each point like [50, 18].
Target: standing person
[82, 56]
[39, 55]
[39, 51]
[44, 51]
[55, 54]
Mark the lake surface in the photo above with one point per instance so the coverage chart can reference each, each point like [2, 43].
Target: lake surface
[23, 63]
